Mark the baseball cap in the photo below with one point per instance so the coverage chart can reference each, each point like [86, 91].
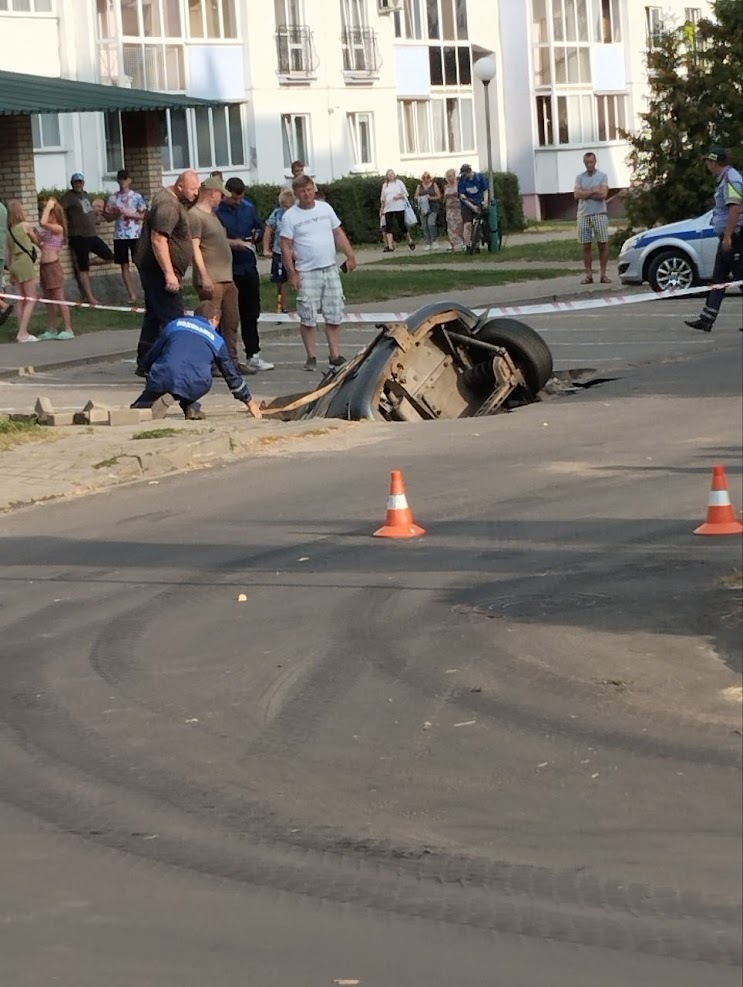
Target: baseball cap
[77, 177]
[215, 184]
[466, 167]
[121, 175]
[716, 153]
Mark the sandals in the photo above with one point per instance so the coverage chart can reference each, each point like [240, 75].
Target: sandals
[605, 280]
[588, 279]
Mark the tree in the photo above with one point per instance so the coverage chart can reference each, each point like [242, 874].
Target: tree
[696, 99]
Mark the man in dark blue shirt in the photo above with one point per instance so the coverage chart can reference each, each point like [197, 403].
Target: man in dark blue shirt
[473, 194]
[238, 216]
[179, 366]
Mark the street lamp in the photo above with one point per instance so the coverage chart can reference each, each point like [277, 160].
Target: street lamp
[484, 69]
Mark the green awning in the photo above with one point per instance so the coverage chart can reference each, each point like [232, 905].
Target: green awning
[21, 94]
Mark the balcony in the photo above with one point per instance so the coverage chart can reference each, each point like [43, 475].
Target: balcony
[297, 62]
[361, 59]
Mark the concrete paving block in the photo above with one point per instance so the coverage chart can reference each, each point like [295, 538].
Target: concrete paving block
[22, 416]
[96, 406]
[124, 416]
[43, 406]
[92, 416]
[59, 418]
[145, 414]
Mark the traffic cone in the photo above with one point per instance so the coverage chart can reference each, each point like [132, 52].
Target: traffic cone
[721, 518]
[399, 522]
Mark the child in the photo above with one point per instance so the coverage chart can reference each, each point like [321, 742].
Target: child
[53, 225]
[272, 245]
[179, 366]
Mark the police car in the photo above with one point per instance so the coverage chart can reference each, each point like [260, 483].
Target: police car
[678, 255]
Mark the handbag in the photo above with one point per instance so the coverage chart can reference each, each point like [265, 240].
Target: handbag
[424, 204]
[29, 253]
[410, 218]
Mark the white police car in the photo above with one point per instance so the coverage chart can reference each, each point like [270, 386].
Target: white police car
[677, 255]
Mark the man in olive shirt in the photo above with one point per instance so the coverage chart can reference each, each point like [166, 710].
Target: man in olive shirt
[163, 256]
[82, 234]
[212, 263]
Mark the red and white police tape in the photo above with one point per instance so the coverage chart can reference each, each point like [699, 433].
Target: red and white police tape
[544, 308]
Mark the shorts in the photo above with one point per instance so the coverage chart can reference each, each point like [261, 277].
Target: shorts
[593, 226]
[124, 250]
[320, 291]
[395, 222]
[82, 247]
[278, 271]
[51, 276]
[469, 215]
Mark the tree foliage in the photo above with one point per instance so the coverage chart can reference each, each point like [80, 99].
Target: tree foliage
[696, 99]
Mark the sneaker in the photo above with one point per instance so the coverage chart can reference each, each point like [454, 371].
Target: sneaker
[703, 325]
[387, 250]
[428, 247]
[411, 245]
[337, 361]
[310, 363]
[49, 334]
[65, 334]
[193, 415]
[160, 407]
[258, 364]
[27, 339]
[243, 368]
[6, 314]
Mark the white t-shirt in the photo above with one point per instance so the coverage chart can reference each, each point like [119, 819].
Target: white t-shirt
[311, 231]
[389, 191]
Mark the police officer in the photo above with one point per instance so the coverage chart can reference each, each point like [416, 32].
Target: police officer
[727, 219]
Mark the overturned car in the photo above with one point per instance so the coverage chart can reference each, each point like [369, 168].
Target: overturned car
[444, 361]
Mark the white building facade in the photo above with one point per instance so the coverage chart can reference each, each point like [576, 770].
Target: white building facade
[349, 86]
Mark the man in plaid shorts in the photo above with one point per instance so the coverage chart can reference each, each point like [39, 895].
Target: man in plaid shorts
[311, 235]
[591, 192]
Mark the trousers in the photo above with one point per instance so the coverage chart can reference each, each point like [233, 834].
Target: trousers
[249, 305]
[160, 308]
[727, 262]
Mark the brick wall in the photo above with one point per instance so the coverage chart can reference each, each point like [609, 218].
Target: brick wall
[17, 177]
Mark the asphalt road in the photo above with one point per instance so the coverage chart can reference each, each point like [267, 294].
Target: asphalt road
[606, 340]
[507, 753]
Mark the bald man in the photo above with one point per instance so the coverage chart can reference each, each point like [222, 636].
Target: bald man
[163, 256]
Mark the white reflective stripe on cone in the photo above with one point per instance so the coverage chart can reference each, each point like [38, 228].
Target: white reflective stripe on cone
[397, 502]
[719, 498]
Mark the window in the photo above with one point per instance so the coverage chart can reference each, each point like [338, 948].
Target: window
[437, 126]
[409, 20]
[361, 133]
[437, 20]
[358, 41]
[693, 15]
[45, 131]
[211, 18]
[141, 18]
[27, 6]
[610, 111]
[653, 26]
[295, 138]
[155, 66]
[608, 22]
[175, 152]
[114, 142]
[219, 136]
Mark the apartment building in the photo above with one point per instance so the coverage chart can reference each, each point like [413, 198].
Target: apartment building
[349, 86]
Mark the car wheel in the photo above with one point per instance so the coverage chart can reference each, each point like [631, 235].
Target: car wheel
[671, 269]
[526, 348]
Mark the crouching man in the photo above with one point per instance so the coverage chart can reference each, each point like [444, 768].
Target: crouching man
[179, 366]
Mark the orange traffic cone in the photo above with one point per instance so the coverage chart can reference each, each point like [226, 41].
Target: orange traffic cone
[399, 522]
[721, 518]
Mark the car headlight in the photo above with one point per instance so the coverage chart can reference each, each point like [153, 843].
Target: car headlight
[629, 244]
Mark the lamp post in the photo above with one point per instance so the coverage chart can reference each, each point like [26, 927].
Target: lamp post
[484, 69]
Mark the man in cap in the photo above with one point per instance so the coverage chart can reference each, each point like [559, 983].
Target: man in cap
[727, 219]
[212, 263]
[128, 209]
[163, 256]
[473, 194]
[82, 234]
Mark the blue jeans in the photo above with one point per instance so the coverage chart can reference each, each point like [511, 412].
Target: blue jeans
[429, 226]
[160, 308]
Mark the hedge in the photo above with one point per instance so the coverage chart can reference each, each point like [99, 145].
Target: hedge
[356, 200]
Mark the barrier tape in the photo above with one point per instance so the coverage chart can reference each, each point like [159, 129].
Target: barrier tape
[543, 308]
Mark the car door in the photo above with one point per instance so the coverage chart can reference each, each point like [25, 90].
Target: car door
[707, 247]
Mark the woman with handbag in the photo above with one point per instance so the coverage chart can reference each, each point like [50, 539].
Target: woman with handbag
[393, 205]
[428, 197]
[21, 253]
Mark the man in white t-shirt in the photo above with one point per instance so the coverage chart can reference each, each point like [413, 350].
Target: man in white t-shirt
[311, 235]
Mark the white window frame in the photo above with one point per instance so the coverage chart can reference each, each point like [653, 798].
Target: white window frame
[221, 36]
[614, 107]
[416, 144]
[608, 12]
[109, 168]
[168, 166]
[654, 26]
[290, 142]
[37, 127]
[289, 13]
[10, 7]
[354, 121]
[234, 161]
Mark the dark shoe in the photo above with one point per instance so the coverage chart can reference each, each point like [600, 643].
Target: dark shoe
[337, 361]
[703, 325]
[194, 415]
[140, 372]
[411, 245]
[160, 407]
[245, 368]
[387, 250]
[6, 314]
[310, 363]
